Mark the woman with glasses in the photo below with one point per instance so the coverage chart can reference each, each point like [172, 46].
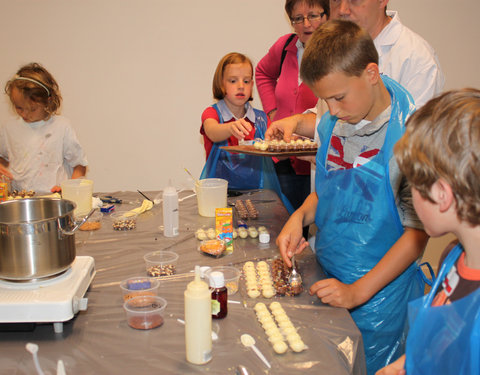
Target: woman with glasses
[283, 93]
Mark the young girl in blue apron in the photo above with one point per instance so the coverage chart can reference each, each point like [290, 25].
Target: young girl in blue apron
[232, 120]
[440, 158]
[368, 237]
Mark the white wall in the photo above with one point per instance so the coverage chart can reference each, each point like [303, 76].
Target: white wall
[136, 74]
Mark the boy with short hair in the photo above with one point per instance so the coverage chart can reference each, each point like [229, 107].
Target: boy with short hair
[440, 156]
[368, 237]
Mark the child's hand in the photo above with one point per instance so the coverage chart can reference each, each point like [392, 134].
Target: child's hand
[240, 128]
[282, 129]
[395, 368]
[336, 293]
[290, 240]
[56, 189]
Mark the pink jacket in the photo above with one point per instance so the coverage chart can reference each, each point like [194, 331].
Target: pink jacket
[282, 91]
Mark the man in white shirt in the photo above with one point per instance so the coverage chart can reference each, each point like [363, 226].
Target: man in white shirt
[403, 55]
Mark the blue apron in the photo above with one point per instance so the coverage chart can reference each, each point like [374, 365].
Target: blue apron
[444, 339]
[242, 171]
[358, 222]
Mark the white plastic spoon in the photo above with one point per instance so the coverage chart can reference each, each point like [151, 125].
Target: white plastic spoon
[249, 342]
[33, 348]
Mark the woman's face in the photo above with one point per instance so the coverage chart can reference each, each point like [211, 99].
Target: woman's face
[305, 29]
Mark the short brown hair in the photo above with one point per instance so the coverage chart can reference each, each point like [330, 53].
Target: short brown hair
[337, 46]
[42, 89]
[290, 4]
[231, 58]
[442, 140]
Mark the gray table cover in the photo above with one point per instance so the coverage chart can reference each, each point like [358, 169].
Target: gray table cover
[99, 340]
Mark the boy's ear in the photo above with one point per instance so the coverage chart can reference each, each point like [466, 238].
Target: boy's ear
[372, 72]
[442, 194]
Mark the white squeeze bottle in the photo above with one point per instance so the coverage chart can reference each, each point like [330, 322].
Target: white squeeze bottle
[170, 211]
[198, 321]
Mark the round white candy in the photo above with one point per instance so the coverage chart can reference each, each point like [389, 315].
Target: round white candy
[280, 347]
[253, 293]
[268, 293]
[289, 330]
[297, 345]
[275, 305]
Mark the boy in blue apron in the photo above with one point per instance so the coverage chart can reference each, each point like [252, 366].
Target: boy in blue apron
[440, 156]
[369, 237]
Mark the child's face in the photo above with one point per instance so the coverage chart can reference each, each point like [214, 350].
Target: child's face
[237, 84]
[27, 109]
[350, 98]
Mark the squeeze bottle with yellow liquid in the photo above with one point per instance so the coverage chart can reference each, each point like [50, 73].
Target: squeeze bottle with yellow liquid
[198, 321]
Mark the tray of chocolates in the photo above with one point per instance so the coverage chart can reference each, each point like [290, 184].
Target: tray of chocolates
[297, 147]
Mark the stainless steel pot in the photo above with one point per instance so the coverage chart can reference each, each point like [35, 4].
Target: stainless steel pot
[37, 237]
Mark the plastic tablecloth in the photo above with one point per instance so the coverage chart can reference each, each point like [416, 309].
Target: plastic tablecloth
[99, 340]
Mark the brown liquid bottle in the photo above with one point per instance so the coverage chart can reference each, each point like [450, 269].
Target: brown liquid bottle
[219, 295]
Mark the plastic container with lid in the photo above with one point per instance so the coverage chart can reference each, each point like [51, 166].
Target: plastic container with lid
[198, 321]
[145, 312]
[161, 263]
[139, 286]
[124, 220]
[219, 295]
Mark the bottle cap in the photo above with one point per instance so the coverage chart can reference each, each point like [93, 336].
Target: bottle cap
[217, 279]
[264, 237]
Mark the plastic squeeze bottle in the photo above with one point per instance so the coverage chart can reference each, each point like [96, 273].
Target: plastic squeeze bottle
[198, 321]
[170, 212]
[219, 295]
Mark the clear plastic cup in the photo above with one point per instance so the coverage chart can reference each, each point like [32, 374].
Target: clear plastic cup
[94, 222]
[211, 194]
[80, 191]
[145, 312]
[231, 275]
[124, 220]
[138, 287]
[161, 263]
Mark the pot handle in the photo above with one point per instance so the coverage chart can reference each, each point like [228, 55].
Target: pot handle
[77, 224]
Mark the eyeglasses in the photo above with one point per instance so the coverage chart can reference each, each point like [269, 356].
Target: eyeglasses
[312, 18]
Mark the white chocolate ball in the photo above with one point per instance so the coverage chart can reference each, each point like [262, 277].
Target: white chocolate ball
[280, 347]
[268, 293]
[275, 305]
[297, 345]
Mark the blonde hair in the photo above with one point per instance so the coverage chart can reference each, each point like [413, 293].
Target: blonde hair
[337, 46]
[38, 85]
[442, 140]
[231, 58]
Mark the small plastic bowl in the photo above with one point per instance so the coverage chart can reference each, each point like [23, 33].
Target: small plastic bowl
[138, 287]
[161, 263]
[94, 222]
[145, 312]
[214, 248]
[124, 220]
[231, 275]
